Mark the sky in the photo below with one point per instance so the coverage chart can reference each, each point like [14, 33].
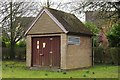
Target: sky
[60, 0]
[80, 16]
[36, 0]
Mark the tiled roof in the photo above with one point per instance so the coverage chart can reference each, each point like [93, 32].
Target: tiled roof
[70, 22]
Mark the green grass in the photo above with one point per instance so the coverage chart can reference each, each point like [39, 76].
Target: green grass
[15, 69]
[0, 68]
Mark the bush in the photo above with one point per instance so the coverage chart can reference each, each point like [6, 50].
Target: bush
[20, 53]
[112, 55]
[114, 35]
[21, 44]
[98, 55]
[3, 44]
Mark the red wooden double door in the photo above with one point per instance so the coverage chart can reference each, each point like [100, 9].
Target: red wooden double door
[46, 51]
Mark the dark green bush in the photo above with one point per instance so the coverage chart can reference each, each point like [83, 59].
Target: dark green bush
[3, 44]
[21, 44]
[114, 35]
[5, 53]
[112, 55]
[20, 53]
[98, 55]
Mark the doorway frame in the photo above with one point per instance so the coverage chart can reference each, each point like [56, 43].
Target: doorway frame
[44, 37]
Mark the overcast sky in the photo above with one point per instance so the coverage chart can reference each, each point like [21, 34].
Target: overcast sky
[60, 0]
[36, 0]
[80, 16]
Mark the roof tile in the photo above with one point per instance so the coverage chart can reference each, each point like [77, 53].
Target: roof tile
[70, 22]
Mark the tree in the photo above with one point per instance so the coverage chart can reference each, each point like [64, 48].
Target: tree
[114, 35]
[13, 20]
[98, 6]
[105, 12]
[12, 24]
[93, 28]
[46, 3]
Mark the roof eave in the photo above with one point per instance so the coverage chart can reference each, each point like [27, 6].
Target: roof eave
[79, 34]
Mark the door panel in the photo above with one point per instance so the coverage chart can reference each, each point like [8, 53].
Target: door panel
[55, 48]
[46, 51]
[40, 53]
[35, 51]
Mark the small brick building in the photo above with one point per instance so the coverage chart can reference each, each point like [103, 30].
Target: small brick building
[59, 40]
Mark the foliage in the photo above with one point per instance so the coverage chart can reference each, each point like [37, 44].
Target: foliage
[93, 28]
[103, 14]
[12, 19]
[21, 43]
[4, 42]
[98, 55]
[15, 17]
[112, 56]
[114, 35]
[13, 23]
[100, 7]
[20, 53]
[16, 69]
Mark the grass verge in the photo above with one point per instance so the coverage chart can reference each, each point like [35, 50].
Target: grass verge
[17, 69]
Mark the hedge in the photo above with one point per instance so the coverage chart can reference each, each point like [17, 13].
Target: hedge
[112, 56]
[115, 55]
[20, 53]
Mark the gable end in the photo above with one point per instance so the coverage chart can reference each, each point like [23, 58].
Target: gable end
[51, 16]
